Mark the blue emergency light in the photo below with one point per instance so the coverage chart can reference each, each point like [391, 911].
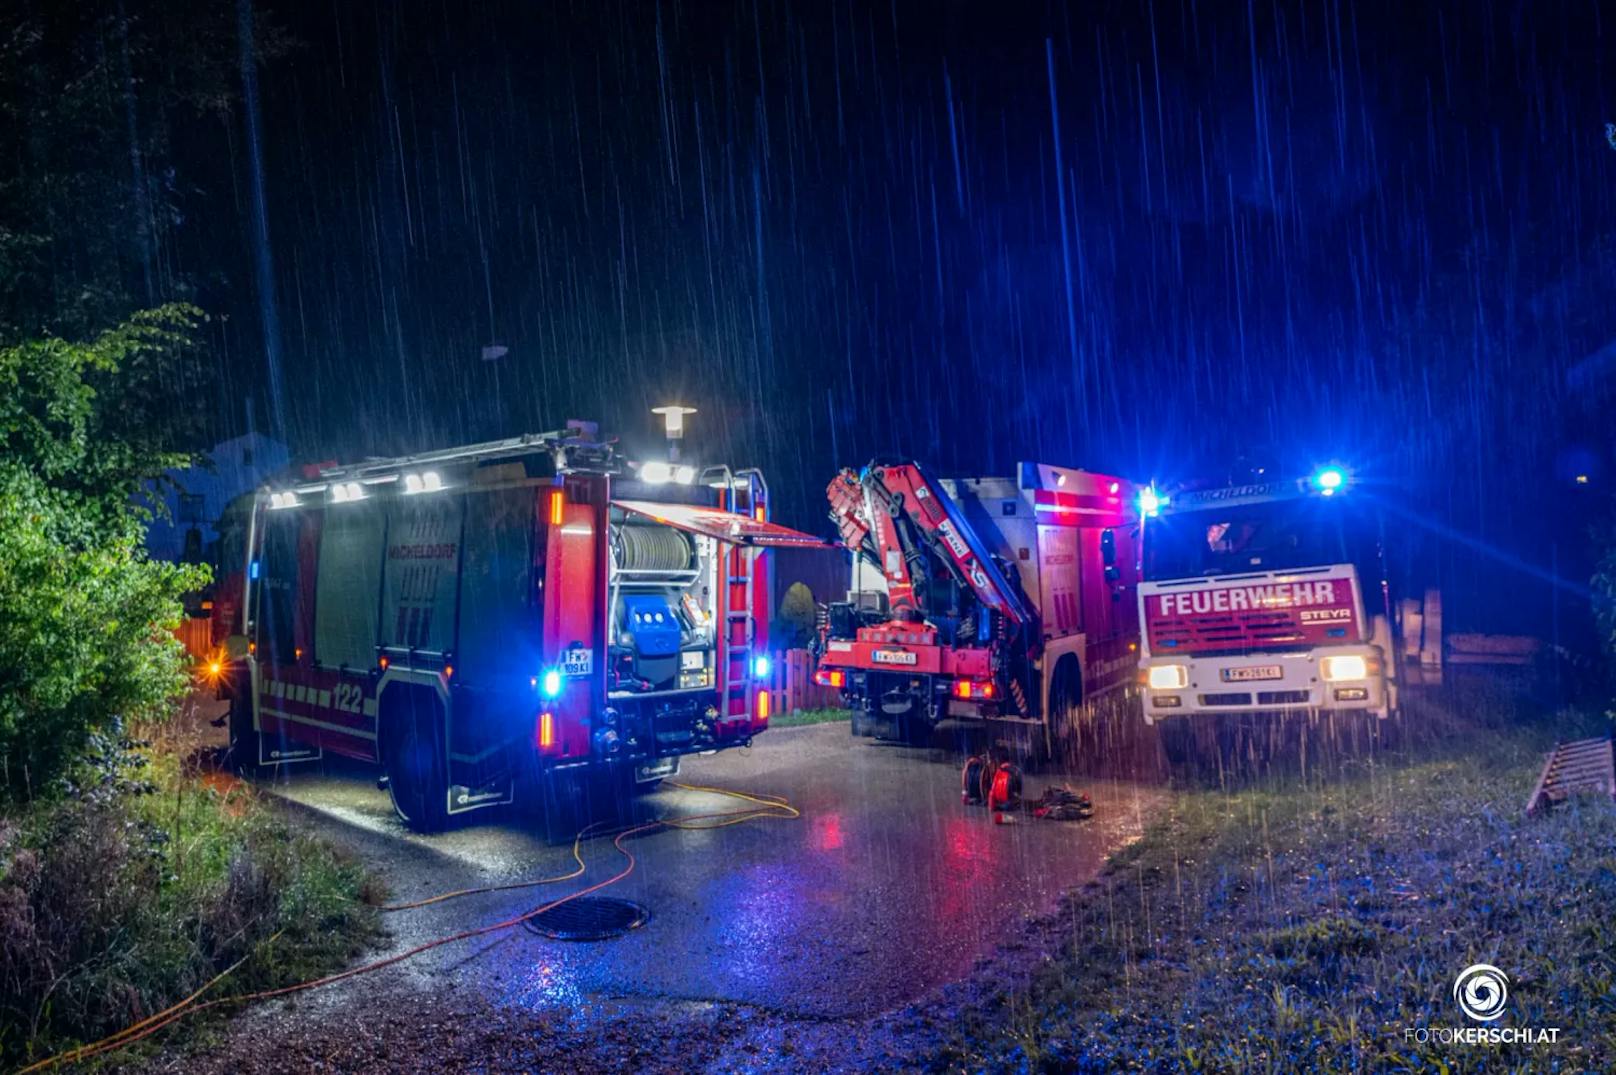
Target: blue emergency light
[1149, 502]
[1328, 480]
[550, 684]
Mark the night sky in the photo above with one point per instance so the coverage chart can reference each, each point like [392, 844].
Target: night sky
[1157, 239]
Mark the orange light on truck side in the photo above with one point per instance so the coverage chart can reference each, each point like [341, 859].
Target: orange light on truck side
[763, 705]
[546, 731]
[558, 500]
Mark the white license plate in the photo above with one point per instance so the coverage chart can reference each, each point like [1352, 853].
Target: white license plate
[1253, 671]
[578, 662]
[892, 656]
[656, 770]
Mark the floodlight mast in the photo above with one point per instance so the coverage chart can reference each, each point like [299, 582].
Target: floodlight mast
[673, 424]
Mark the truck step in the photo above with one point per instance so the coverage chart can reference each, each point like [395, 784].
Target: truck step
[1583, 765]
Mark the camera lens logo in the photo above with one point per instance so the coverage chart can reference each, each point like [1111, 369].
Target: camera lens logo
[1482, 990]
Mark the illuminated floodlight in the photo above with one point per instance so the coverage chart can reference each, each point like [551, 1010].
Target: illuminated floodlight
[684, 475]
[673, 419]
[656, 472]
[427, 482]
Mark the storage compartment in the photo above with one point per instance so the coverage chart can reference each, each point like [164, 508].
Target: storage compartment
[661, 614]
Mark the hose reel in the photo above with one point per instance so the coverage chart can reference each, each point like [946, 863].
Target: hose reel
[651, 548]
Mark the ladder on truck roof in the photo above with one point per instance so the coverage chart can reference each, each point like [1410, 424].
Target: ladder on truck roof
[573, 448]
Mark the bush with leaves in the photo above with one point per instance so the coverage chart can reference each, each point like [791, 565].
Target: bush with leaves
[85, 616]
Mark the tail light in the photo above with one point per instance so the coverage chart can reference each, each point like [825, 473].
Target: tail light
[977, 689]
[830, 677]
[762, 705]
[546, 731]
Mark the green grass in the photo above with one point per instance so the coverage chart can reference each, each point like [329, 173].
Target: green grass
[124, 898]
[808, 716]
[1304, 924]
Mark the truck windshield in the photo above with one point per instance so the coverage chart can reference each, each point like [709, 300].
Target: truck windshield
[1227, 539]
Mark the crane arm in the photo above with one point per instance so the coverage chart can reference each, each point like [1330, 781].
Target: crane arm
[895, 513]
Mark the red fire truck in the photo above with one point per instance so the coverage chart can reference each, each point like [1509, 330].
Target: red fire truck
[1008, 600]
[504, 620]
[1267, 596]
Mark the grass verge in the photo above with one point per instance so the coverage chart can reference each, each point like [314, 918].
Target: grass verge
[1306, 925]
[145, 882]
[809, 716]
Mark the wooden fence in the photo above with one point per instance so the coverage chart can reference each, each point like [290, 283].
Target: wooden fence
[791, 684]
[197, 634]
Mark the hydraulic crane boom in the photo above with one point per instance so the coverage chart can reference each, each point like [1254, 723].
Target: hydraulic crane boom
[901, 518]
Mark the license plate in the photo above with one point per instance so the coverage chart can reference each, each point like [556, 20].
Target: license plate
[1253, 671]
[656, 770]
[892, 656]
[578, 662]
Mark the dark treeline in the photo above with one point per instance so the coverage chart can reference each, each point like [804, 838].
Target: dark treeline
[1158, 239]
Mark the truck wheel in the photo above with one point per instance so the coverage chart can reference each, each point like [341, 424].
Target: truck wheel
[417, 764]
[1177, 740]
[1065, 716]
[243, 736]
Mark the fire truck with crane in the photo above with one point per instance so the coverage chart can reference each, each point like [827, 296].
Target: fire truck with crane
[1005, 600]
[1267, 596]
[527, 618]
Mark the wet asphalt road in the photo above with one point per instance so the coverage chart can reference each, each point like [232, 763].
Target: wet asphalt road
[885, 888]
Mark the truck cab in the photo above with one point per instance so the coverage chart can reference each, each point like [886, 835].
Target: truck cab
[1262, 597]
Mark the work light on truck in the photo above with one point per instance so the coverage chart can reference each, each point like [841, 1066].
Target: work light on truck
[1168, 677]
[426, 482]
[1349, 666]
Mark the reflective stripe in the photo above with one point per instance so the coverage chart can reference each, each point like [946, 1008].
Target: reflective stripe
[311, 722]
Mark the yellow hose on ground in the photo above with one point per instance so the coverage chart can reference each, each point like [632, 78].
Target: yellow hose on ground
[767, 807]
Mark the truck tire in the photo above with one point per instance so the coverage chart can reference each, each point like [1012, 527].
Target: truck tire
[416, 759]
[1065, 711]
[243, 736]
[1177, 740]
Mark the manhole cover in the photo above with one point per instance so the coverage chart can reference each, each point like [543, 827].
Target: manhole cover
[589, 918]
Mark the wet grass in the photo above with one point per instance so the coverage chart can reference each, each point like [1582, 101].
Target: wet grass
[125, 897]
[1303, 924]
[809, 716]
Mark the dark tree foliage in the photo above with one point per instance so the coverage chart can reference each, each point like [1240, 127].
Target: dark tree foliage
[85, 616]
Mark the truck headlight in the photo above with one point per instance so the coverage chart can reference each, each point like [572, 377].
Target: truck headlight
[1350, 666]
[1167, 677]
